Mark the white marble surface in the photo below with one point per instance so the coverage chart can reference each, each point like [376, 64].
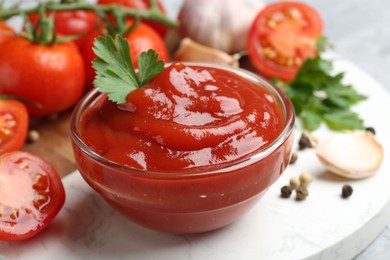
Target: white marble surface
[324, 226]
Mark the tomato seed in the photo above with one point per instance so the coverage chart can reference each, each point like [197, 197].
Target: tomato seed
[39, 201]
[14, 214]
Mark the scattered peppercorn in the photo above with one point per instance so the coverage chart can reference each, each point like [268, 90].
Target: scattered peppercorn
[293, 158]
[307, 141]
[346, 191]
[370, 129]
[285, 192]
[33, 136]
[302, 192]
[294, 183]
[305, 178]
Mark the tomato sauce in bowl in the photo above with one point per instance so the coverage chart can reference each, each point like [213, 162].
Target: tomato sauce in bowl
[190, 152]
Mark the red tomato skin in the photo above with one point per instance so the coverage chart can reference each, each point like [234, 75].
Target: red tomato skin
[52, 76]
[260, 30]
[71, 23]
[17, 136]
[30, 225]
[140, 39]
[4, 32]
[141, 5]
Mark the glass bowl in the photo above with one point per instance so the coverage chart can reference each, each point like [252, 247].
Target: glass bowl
[190, 202]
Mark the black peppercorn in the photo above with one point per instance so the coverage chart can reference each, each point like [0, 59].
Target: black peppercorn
[346, 191]
[285, 192]
[370, 129]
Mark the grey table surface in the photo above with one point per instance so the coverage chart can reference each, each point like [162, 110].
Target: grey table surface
[360, 32]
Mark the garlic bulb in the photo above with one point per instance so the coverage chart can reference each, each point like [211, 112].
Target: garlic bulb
[192, 51]
[220, 24]
[352, 155]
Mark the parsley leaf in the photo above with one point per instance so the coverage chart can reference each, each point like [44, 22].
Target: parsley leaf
[115, 73]
[319, 95]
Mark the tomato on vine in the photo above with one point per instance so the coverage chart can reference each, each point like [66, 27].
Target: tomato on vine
[76, 22]
[31, 195]
[141, 5]
[5, 32]
[13, 125]
[38, 67]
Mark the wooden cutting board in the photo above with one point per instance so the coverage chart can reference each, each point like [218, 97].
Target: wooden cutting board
[54, 144]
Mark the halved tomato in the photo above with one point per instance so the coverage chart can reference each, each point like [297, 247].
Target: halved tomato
[31, 195]
[13, 125]
[282, 37]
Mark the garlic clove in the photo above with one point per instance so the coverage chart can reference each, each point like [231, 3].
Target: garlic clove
[353, 155]
[192, 51]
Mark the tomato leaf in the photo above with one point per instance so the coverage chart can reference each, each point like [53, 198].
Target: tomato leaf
[115, 73]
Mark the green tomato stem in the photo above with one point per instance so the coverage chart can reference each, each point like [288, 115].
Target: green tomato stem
[153, 13]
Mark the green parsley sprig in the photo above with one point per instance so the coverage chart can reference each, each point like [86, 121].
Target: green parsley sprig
[319, 95]
[115, 73]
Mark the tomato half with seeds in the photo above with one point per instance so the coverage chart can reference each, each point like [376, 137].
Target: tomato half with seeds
[31, 195]
[282, 37]
[13, 125]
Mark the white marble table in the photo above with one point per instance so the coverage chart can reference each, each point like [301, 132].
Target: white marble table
[360, 32]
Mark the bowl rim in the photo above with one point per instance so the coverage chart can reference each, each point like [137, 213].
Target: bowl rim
[284, 103]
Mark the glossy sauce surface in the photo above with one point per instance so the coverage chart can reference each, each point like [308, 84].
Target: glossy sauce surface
[187, 118]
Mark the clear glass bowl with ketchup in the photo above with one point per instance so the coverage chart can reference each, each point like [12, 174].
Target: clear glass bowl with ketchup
[190, 152]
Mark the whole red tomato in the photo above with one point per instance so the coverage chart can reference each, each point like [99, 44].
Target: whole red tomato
[51, 75]
[141, 5]
[13, 125]
[141, 39]
[5, 31]
[282, 37]
[71, 23]
[31, 195]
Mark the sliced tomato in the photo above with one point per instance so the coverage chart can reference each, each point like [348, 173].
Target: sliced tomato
[13, 125]
[31, 195]
[282, 37]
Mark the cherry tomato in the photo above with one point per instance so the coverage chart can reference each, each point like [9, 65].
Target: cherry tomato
[52, 76]
[282, 37]
[141, 5]
[13, 125]
[5, 32]
[141, 39]
[31, 195]
[71, 23]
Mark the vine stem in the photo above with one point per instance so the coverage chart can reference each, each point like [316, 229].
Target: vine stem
[153, 13]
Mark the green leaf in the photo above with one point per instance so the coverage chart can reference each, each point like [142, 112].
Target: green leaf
[145, 72]
[310, 120]
[343, 120]
[115, 73]
[320, 96]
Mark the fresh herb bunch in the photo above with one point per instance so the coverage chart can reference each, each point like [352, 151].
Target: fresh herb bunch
[319, 95]
[115, 73]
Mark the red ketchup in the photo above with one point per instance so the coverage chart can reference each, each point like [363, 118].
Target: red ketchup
[185, 148]
[186, 119]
